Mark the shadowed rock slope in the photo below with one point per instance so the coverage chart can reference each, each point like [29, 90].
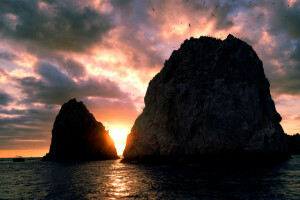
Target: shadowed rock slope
[76, 135]
[294, 143]
[211, 100]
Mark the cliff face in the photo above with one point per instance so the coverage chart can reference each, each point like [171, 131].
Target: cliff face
[294, 143]
[76, 135]
[210, 98]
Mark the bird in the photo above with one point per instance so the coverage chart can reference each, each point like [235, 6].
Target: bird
[212, 14]
[260, 16]
[153, 9]
[203, 2]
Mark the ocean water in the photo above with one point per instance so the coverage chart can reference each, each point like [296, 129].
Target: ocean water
[34, 179]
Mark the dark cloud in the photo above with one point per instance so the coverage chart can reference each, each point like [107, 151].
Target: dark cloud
[5, 98]
[73, 67]
[8, 56]
[56, 87]
[67, 65]
[25, 126]
[283, 22]
[285, 19]
[126, 6]
[56, 25]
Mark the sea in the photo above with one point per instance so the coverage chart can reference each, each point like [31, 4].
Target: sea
[112, 179]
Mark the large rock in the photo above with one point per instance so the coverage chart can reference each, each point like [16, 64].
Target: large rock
[210, 100]
[294, 143]
[76, 135]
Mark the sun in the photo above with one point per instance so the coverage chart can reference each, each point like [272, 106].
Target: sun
[119, 135]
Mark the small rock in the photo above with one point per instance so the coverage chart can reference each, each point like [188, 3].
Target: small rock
[76, 135]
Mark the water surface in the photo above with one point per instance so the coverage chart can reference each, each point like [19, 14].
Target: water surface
[112, 179]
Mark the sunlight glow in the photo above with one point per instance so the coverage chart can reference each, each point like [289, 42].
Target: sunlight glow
[119, 135]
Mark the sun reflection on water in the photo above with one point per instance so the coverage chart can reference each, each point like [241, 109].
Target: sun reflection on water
[118, 181]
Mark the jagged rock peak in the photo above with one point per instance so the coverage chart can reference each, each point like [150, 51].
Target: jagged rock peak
[76, 135]
[211, 98]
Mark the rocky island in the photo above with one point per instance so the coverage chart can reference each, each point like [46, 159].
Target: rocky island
[211, 100]
[294, 143]
[76, 135]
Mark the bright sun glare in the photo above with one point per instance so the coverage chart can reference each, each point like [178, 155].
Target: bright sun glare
[119, 135]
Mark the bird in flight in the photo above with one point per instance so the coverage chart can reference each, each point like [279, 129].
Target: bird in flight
[190, 25]
[153, 9]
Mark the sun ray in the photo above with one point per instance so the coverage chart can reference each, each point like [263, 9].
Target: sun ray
[119, 135]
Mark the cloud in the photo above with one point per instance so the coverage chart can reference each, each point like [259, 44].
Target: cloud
[8, 56]
[5, 99]
[282, 55]
[55, 25]
[96, 50]
[23, 127]
[54, 87]
[73, 67]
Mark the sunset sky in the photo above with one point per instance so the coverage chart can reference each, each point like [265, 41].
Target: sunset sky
[104, 53]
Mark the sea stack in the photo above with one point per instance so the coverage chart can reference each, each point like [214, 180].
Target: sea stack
[211, 100]
[294, 143]
[76, 135]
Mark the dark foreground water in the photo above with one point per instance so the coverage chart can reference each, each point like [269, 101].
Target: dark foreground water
[34, 179]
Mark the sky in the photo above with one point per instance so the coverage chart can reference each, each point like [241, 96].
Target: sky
[105, 52]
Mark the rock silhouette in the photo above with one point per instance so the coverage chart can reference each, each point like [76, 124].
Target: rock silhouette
[76, 135]
[294, 143]
[211, 100]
